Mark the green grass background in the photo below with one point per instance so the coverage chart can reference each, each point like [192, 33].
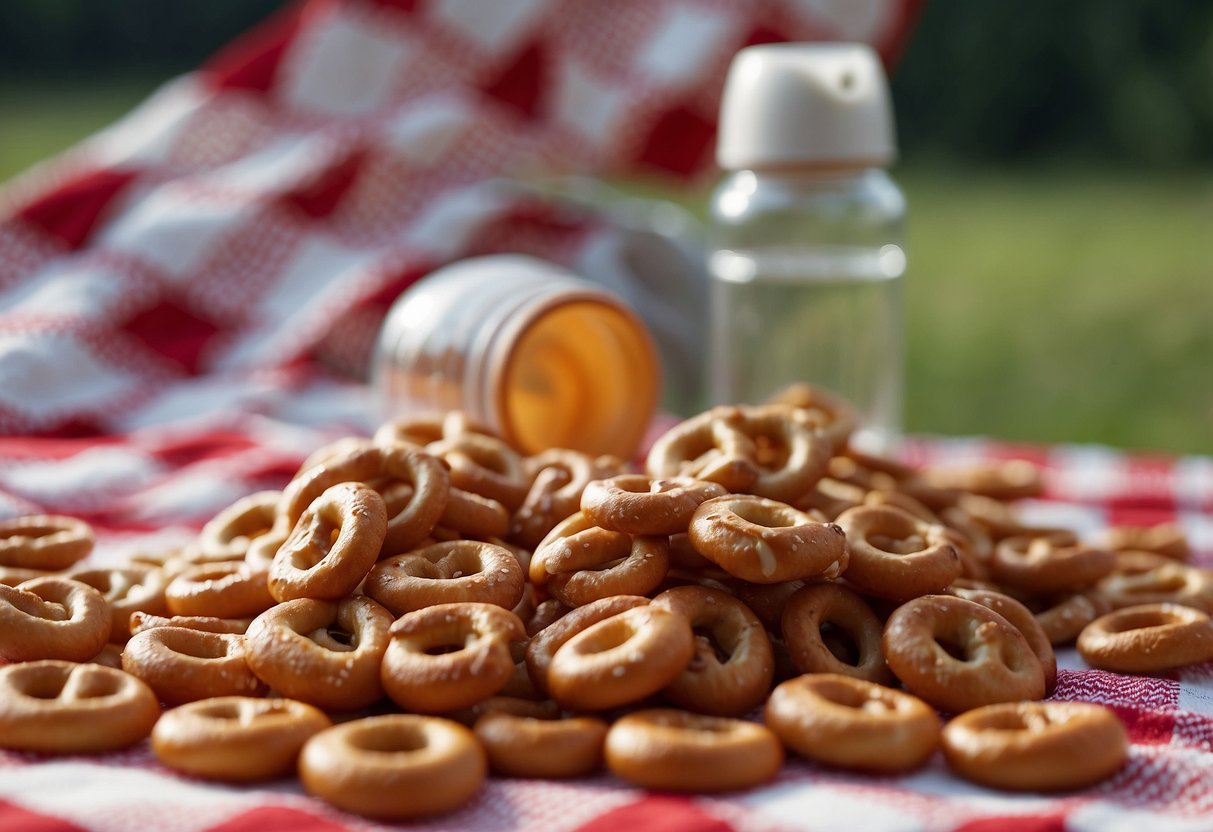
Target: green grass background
[1047, 304]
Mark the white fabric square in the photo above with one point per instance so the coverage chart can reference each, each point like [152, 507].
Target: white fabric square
[586, 105]
[87, 475]
[345, 67]
[424, 131]
[497, 26]
[801, 805]
[857, 20]
[447, 224]
[276, 166]
[149, 133]
[684, 44]
[67, 288]
[43, 375]
[174, 230]
[1088, 472]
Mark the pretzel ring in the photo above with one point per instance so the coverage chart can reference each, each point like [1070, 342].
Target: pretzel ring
[578, 562]
[478, 666]
[474, 516]
[1066, 618]
[57, 707]
[141, 621]
[406, 528]
[1050, 562]
[820, 609]
[1147, 639]
[558, 479]
[832, 414]
[1021, 618]
[324, 653]
[522, 746]
[445, 573]
[706, 447]
[52, 618]
[1166, 539]
[44, 541]
[229, 589]
[420, 429]
[637, 505]
[1010, 479]
[183, 665]
[127, 591]
[738, 681]
[394, 767]
[766, 542]
[895, 555]
[228, 534]
[996, 663]
[621, 659]
[546, 641]
[1162, 582]
[314, 564]
[484, 465]
[671, 750]
[1036, 746]
[852, 723]
[236, 739]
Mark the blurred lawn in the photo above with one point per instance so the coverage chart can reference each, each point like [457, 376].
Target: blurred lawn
[1046, 305]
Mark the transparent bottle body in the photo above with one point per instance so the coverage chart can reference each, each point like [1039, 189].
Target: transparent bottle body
[806, 285]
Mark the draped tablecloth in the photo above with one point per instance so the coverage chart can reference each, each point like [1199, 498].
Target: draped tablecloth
[184, 296]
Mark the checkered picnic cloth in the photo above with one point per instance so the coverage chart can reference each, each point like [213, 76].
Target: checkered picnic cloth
[180, 294]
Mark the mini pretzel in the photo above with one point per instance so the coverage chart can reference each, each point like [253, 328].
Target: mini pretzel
[620, 660]
[1161, 581]
[484, 465]
[852, 723]
[1021, 618]
[1147, 639]
[324, 653]
[772, 451]
[992, 663]
[229, 589]
[394, 767]
[1011, 479]
[1049, 563]
[44, 541]
[333, 545]
[816, 608]
[420, 429]
[127, 591]
[833, 415]
[57, 707]
[522, 746]
[444, 573]
[478, 665]
[637, 505]
[228, 534]
[578, 562]
[558, 478]
[895, 555]
[406, 528]
[737, 681]
[1166, 539]
[236, 739]
[13, 575]
[672, 750]
[1036, 746]
[474, 516]
[546, 641]
[52, 618]
[1067, 616]
[183, 665]
[766, 542]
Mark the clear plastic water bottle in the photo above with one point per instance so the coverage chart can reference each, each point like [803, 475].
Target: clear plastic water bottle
[807, 234]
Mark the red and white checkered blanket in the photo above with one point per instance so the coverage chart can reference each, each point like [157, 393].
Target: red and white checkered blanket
[180, 294]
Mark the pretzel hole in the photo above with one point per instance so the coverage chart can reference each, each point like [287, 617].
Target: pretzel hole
[45, 687]
[443, 649]
[897, 545]
[221, 710]
[333, 638]
[953, 648]
[393, 740]
[706, 645]
[840, 643]
[207, 649]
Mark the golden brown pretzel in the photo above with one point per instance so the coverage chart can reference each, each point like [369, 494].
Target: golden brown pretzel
[558, 477]
[57, 707]
[1052, 562]
[578, 562]
[44, 541]
[525, 746]
[484, 465]
[52, 618]
[852, 723]
[236, 739]
[445, 573]
[766, 542]
[673, 750]
[127, 591]
[1147, 639]
[321, 652]
[1021, 618]
[183, 665]
[229, 589]
[547, 640]
[896, 555]
[816, 607]
[638, 505]
[995, 662]
[1036, 746]
[229, 533]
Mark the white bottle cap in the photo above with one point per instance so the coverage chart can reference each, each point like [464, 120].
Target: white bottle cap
[820, 104]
